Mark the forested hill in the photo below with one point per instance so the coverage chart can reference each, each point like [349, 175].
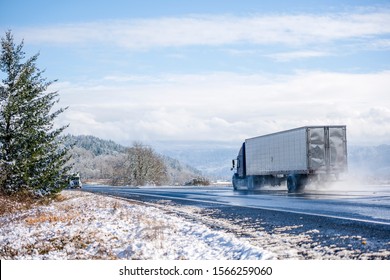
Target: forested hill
[95, 145]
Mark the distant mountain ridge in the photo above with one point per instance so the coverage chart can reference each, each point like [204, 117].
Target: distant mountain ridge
[371, 161]
[211, 158]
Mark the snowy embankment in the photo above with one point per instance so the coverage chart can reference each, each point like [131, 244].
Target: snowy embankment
[88, 226]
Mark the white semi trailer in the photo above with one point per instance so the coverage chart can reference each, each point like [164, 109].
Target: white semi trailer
[298, 155]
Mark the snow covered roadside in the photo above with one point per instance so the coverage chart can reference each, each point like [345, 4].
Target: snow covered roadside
[88, 226]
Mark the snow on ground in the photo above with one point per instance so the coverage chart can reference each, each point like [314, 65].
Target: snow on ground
[82, 225]
[88, 226]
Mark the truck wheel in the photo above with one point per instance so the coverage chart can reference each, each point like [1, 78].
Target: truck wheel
[251, 183]
[262, 181]
[296, 183]
[292, 183]
[234, 181]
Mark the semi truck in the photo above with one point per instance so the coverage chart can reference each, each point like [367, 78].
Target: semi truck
[298, 156]
[75, 181]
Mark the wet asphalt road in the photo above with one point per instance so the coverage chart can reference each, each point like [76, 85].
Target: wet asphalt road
[370, 204]
[359, 213]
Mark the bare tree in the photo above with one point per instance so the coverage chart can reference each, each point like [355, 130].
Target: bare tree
[141, 166]
[146, 167]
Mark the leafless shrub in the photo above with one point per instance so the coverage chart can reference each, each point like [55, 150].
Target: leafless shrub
[140, 166]
[154, 231]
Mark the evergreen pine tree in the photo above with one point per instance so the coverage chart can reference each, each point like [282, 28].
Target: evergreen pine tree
[32, 157]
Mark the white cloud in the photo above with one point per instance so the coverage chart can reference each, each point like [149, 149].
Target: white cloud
[379, 44]
[212, 30]
[288, 56]
[229, 106]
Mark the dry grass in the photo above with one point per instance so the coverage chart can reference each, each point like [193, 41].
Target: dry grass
[12, 204]
[21, 202]
[44, 217]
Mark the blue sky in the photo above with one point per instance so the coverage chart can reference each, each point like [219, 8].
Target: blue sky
[211, 70]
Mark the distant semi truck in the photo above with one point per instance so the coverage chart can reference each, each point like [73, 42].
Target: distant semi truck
[75, 181]
[297, 156]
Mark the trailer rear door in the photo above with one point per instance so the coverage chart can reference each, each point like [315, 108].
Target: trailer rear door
[327, 149]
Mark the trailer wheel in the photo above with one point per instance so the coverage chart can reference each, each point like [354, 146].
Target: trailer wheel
[291, 183]
[296, 183]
